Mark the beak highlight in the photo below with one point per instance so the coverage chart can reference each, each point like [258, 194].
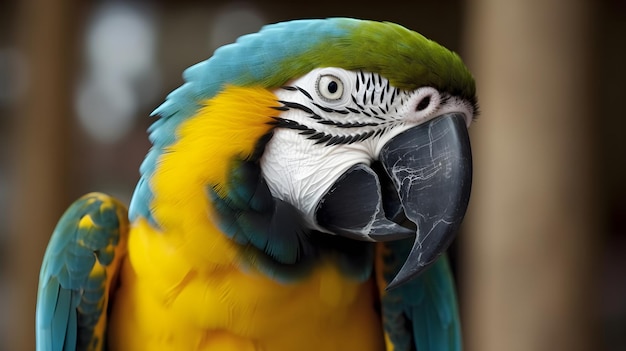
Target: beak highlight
[430, 166]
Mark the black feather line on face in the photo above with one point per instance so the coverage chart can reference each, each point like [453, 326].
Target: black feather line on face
[348, 125]
[259, 148]
[287, 105]
[328, 139]
[324, 108]
[296, 105]
[305, 93]
[337, 139]
[380, 132]
[356, 103]
[353, 110]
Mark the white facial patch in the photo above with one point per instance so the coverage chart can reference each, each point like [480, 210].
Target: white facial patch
[300, 172]
[334, 119]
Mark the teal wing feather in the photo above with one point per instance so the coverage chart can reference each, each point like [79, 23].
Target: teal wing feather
[422, 314]
[77, 272]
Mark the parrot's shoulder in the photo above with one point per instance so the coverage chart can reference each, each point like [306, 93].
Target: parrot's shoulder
[421, 314]
[77, 274]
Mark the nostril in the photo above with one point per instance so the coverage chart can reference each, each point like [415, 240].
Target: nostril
[423, 104]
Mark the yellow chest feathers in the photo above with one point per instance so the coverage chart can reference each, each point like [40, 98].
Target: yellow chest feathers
[166, 303]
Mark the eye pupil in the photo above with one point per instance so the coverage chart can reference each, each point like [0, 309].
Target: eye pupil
[332, 87]
[329, 87]
[421, 106]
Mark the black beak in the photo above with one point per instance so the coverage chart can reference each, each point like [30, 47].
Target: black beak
[430, 167]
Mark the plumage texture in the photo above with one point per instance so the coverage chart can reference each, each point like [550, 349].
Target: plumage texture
[214, 261]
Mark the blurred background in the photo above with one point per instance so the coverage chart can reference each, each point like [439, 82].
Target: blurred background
[541, 259]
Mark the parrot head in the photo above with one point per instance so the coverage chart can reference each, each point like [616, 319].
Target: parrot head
[335, 128]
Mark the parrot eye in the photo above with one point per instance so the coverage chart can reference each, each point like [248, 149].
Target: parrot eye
[329, 87]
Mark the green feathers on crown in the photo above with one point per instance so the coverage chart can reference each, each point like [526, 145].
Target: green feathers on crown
[406, 58]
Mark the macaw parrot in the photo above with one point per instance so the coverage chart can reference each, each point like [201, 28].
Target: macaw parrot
[302, 187]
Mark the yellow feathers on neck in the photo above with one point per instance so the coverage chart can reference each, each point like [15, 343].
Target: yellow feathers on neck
[226, 127]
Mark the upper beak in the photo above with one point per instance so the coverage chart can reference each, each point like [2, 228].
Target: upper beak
[430, 166]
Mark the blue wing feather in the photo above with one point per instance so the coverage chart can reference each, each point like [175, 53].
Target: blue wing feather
[422, 314]
[75, 276]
